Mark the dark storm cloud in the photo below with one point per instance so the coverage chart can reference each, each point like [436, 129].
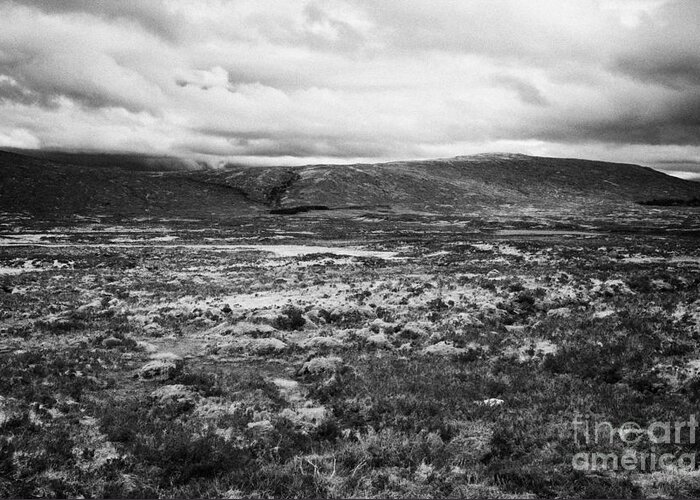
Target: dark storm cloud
[47, 95]
[663, 50]
[31, 86]
[629, 131]
[12, 92]
[150, 14]
[680, 71]
[676, 123]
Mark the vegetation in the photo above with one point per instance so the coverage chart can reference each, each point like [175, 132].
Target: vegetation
[445, 364]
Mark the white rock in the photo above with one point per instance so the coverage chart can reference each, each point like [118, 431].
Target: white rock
[242, 328]
[322, 342]
[95, 304]
[322, 364]
[261, 427]
[379, 325]
[158, 370]
[267, 317]
[110, 342]
[378, 340]
[423, 472]
[603, 314]
[414, 329]
[443, 349]
[560, 312]
[661, 285]
[152, 328]
[405, 347]
[611, 287]
[492, 402]
[256, 346]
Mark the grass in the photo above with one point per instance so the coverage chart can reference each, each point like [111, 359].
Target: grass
[75, 420]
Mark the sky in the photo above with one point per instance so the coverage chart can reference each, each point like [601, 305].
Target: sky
[309, 81]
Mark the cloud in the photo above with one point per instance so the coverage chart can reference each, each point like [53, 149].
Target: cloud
[527, 92]
[152, 15]
[303, 80]
[678, 72]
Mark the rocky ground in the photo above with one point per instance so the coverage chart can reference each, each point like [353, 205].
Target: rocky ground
[344, 354]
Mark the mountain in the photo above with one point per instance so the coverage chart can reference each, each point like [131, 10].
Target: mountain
[65, 183]
[463, 182]
[53, 188]
[123, 161]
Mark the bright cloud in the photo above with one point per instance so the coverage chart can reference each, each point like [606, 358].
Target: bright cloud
[295, 81]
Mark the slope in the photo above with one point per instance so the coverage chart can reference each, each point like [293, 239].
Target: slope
[456, 183]
[56, 189]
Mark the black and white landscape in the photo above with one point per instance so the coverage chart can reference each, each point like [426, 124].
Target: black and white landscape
[275, 249]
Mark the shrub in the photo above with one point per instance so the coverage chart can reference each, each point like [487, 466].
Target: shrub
[177, 451]
[291, 319]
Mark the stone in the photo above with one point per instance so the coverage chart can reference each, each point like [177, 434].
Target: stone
[378, 340]
[159, 370]
[560, 312]
[264, 316]
[423, 472]
[111, 342]
[322, 364]
[603, 314]
[443, 349]
[252, 329]
[322, 342]
[491, 402]
[260, 428]
[379, 326]
[661, 285]
[152, 328]
[414, 330]
[258, 346]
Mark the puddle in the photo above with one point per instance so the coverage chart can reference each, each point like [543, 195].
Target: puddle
[685, 258]
[278, 250]
[14, 271]
[543, 232]
[678, 259]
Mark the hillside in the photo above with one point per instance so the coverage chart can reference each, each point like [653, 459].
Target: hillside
[66, 183]
[123, 161]
[456, 183]
[54, 188]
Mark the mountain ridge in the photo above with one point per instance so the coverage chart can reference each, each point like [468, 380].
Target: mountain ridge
[51, 188]
[463, 180]
[37, 184]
